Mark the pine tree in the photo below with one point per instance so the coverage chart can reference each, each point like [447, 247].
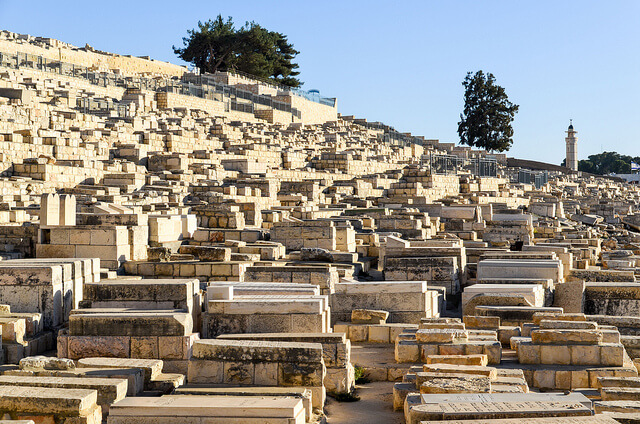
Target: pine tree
[488, 113]
[216, 45]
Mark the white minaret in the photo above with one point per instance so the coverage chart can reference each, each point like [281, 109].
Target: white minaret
[572, 148]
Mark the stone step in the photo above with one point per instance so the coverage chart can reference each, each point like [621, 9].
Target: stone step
[620, 393]
[619, 382]
[623, 406]
[166, 383]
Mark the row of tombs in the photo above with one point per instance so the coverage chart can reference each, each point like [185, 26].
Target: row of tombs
[131, 348]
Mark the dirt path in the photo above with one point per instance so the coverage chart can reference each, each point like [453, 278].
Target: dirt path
[374, 407]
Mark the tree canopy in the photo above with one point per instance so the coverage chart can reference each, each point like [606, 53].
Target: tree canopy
[486, 120]
[216, 45]
[607, 163]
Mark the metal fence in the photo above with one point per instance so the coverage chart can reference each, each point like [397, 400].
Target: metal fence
[452, 164]
[485, 167]
[207, 83]
[98, 106]
[538, 179]
[309, 95]
[442, 164]
[200, 86]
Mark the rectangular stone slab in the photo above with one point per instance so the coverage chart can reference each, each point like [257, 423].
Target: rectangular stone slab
[572, 397]
[569, 325]
[155, 290]
[479, 410]
[109, 389]
[461, 369]
[461, 384]
[566, 337]
[302, 393]
[44, 400]
[257, 351]
[30, 274]
[131, 324]
[597, 419]
[151, 367]
[133, 376]
[382, 287]
[438, 336]
[268, 305]
[208, 406]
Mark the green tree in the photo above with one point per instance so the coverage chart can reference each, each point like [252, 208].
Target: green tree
[216, 45]
[607, 163]
[486, 120]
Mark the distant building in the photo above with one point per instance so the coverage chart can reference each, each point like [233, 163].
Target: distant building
[572, 148]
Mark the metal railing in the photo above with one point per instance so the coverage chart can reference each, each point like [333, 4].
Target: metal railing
[309, 95]
[452, 164]
[538, 179]
[98, 106]
[205, 88]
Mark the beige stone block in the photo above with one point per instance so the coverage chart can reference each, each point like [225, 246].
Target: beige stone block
[307, 323]
[612, 355]
[203, 270]
[528, 353]
[493, 352]
[544, 379]
[239, 373]
[341, 328]
[144, 347]
[376, 373]
[579, 379]
[595, 373]
[59, 236]
[266, 374]
[563, 336]
[99, 346]
[555, 354]
[299, 374]
[473, 349]
[428, 350]
[407, 351]
[625, 372]
[451, 349]
[358, 333]
[379, 334]
[394, 332]
[79, 236]
[205, 372]
[164, 270]
[585, 355]
[480, 360]
[63, 345]
[187, 270]
[563, 380]
[170, 347]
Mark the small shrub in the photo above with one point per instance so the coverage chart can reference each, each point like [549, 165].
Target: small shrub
[361, 377]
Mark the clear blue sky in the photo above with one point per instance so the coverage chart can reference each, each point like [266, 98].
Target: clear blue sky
[403, 62]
